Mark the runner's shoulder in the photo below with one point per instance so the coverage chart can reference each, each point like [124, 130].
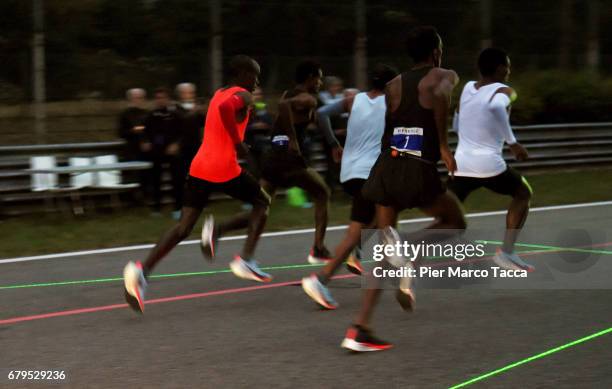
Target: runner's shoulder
[508, 91]
[395, 85]
[246, 96]
[445, 74]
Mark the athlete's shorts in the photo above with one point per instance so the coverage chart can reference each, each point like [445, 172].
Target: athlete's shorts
[283, 168]
[403, 182]
[244, 188]
[362, 210]
[507, 183]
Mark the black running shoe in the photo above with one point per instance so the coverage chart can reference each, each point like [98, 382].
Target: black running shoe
[359, 339]
[319, 256]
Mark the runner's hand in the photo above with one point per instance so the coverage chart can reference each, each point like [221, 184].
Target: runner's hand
[449, 160]
[519, 151]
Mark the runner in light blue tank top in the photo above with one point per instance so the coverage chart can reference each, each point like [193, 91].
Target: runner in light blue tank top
[364, 133]
[365, 129]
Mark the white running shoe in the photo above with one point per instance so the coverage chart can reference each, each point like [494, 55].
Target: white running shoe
[511, 261]
[249, 270]
[135, 285]
[208, 242]
[405, 295]
[390, 236]
[318, 292]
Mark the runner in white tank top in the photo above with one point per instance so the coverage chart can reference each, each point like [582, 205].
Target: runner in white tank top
[481, 133]
[483, 127]
[364, 133]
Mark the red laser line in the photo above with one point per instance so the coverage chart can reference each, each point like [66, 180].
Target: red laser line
[72, 312]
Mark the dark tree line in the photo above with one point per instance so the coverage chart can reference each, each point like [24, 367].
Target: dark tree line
[100, 47]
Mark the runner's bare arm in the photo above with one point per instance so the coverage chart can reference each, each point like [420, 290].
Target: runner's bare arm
[324, 113]
[441, 93]
[393, 94]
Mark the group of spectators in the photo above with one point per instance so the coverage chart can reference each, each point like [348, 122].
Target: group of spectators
[169, 134]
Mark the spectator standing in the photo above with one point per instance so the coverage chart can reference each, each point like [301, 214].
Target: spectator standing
[258, 130]
[131, 124]
[163, 132]
[192, 120]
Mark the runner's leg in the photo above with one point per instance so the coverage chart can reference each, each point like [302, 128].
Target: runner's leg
[314, 185]
[180, 231]
[517, 215]
[385, 216]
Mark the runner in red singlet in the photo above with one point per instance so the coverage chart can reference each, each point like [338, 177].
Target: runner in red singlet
[215, 168]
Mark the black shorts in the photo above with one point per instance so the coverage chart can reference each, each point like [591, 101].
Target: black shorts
[403, 182]
[506, 183]
[362, 210]
[282, 168]
[244, 188]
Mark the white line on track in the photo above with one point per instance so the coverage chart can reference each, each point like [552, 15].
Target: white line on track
[283, 233]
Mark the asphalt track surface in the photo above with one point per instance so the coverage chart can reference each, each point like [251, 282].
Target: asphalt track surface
[226, 332]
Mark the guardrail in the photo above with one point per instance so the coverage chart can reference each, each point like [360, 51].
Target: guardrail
[551, 146]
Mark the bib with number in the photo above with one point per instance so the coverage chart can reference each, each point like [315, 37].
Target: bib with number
[280, 140]
[408, 140]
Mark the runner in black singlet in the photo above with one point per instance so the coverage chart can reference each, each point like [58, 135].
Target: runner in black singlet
[285, 166]
[405, 174]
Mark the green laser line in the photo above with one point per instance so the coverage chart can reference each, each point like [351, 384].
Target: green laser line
[172, 275]
[533, 358]
[200, 273]
[577, 250]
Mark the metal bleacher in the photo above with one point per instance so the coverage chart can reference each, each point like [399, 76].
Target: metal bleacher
[16, 194]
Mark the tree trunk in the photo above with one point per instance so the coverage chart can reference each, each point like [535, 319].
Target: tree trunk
[38, 70]
[566, 27]
[216, 50]
[360, 63]
[485, 24]
[592, 53]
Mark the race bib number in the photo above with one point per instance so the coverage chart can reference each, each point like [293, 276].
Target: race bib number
[280, 140]
[408, 140]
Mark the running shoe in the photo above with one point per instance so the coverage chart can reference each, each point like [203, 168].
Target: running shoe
[359, 339]
[511, 261]
[390, 236]
[249, 270]
[209, 240]
[353, 263]
[135, 285]
[318, 292]
[405, 294]
[319, 256]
